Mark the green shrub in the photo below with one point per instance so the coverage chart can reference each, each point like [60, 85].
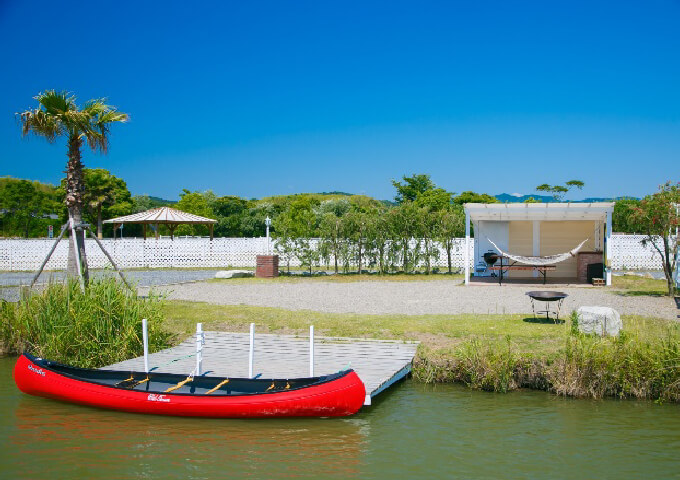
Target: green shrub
[99, 327]
[643, 362]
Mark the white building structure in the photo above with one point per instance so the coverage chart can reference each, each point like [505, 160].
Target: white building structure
[542, 229]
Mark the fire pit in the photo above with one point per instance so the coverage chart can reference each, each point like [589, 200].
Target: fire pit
[547, 296]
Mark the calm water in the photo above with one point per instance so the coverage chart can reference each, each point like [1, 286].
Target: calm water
[415, 431]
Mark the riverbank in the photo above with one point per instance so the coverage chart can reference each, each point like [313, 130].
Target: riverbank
[490, 351]
[485, 351]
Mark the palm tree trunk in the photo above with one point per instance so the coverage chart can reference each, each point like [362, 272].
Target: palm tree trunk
[74, 203]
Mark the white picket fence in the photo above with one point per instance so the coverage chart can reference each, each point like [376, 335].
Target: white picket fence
[27, 254]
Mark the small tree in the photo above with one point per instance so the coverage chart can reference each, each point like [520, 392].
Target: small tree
[658, 216]
[198, 204]
[24, 202]
[451, 225]
[412, 187]
[378, 238]
[332, 239]
[622, 216]
[105, 195]
[559, 191]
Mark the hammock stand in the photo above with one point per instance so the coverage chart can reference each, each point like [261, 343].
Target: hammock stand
[542, 265]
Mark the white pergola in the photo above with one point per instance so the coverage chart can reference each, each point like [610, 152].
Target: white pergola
[538, 212]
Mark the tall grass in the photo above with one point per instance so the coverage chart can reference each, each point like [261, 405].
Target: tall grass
[91, 329]
[640, 363]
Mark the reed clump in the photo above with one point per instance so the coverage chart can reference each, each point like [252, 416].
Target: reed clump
[643, 363]
[97, 327]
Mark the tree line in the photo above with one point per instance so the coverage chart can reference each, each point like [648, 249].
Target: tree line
[27, 207]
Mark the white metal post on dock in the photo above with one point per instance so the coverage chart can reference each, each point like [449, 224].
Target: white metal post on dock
[200, 340]
[311, 350]
[251, 353]
[145, 338]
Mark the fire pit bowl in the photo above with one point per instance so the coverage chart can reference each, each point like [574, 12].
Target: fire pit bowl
[547, 296]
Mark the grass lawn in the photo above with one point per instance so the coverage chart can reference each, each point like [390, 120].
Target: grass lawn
[437, 333]
[635, 286]
[489, 352]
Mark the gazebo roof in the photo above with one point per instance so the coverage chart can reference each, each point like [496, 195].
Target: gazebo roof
[162, 215]
[538, 211]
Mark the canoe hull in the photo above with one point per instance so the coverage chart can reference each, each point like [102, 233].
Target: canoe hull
[339, 397]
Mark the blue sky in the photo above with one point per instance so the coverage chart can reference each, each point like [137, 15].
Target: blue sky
[261, 98]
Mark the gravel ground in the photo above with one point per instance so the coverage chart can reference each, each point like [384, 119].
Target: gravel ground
[10, 281]
[411, 298]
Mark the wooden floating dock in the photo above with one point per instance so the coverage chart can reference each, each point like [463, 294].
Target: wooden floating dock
[379, 363]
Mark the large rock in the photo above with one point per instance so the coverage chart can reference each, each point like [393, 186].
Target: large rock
[233, 273]
[602, 321]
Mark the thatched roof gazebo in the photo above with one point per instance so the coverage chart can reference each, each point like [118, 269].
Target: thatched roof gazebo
[163, 216]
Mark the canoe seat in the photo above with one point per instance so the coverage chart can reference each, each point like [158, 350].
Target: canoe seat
[223, 382]
[179, 385]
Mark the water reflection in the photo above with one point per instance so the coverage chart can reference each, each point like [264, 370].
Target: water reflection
[415, 431]
[57, 437]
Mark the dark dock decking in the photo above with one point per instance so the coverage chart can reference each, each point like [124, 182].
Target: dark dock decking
[379, 363]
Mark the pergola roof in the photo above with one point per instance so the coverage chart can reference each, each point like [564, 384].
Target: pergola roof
[538, 211]
[162, 215]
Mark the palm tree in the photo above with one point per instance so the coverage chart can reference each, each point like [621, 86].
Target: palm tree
[58, 115]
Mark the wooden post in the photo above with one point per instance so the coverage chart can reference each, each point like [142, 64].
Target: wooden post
[251, 353]
[47, 258]
[145, 337]
[115, 267]
[172, 228]
[157, 231]
[212, 229]
[311, 350]
[77, 252]
[144, 225]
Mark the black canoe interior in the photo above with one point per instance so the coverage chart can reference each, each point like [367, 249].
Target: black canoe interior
[160, 382]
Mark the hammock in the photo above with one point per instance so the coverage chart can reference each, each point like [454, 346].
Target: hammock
[540, 261]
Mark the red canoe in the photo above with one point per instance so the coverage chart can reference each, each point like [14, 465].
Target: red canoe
[334, 395]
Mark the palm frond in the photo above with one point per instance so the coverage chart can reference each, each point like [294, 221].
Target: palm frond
[40, 124]
[56, 103]
[58, 114]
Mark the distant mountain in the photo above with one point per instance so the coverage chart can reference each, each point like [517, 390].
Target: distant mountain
[516, 198]
[336, 193]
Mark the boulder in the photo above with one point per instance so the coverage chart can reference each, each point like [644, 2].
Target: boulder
[233, 273]
[603, 321]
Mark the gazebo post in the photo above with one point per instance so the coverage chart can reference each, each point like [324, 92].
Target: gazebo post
[172, 228]
[157, 231]
[212, 229]
[144, 225]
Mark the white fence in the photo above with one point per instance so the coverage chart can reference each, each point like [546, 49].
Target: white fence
[628, 253]
[20, 254]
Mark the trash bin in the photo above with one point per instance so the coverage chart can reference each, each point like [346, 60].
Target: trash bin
[595, 270]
